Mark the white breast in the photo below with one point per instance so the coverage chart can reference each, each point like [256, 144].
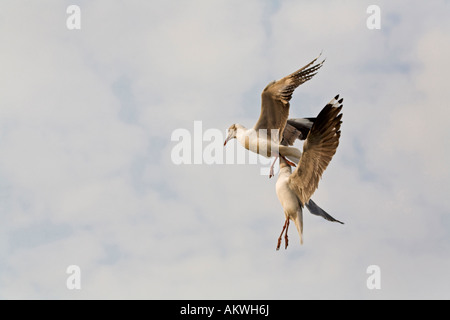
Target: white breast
[250, 140]
[287, 197]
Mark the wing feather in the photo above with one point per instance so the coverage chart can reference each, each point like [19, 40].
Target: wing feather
[296, 129]
[276, 96]
[318, 150]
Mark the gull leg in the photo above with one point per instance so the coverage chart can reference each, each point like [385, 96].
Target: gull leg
[286, 241]
[271, 168]
[288, 162]
[281, 235]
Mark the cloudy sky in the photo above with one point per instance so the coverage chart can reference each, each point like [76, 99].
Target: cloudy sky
[87, 176]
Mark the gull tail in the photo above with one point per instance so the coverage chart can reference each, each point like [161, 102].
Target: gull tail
[318, 211]
[299, 223]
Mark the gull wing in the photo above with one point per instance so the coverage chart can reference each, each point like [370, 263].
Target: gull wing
[276, 96]
[296, 129]
[318, 150]
[318, 211]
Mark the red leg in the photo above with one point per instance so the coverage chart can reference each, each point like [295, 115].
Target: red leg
[281, 235]
[286, 235]
[288, 162]
[271, 167]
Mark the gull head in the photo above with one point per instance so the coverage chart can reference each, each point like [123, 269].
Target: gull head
[232, 131]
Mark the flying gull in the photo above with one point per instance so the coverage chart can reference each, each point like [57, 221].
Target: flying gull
[294, 190]
[265, 137]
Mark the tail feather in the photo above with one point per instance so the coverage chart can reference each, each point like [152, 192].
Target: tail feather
[299, 223]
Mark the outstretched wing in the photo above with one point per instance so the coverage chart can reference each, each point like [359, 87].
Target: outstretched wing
[318, 150]
[275, 98]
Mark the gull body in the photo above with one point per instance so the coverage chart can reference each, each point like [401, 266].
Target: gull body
[260, 142]
[292, 208]
[294, 189]
[266, 135]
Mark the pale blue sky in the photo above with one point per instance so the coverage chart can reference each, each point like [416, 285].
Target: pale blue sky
[86, 176]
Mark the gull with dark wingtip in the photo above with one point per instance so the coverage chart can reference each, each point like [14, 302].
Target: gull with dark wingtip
[294, 189]
[266, 136]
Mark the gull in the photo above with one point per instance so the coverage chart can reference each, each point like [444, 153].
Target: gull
[294, 189]
[266, 135]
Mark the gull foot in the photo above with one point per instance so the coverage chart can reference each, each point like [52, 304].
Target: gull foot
[289, 162]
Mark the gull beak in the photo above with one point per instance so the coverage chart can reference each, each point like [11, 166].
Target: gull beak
[227, 139]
